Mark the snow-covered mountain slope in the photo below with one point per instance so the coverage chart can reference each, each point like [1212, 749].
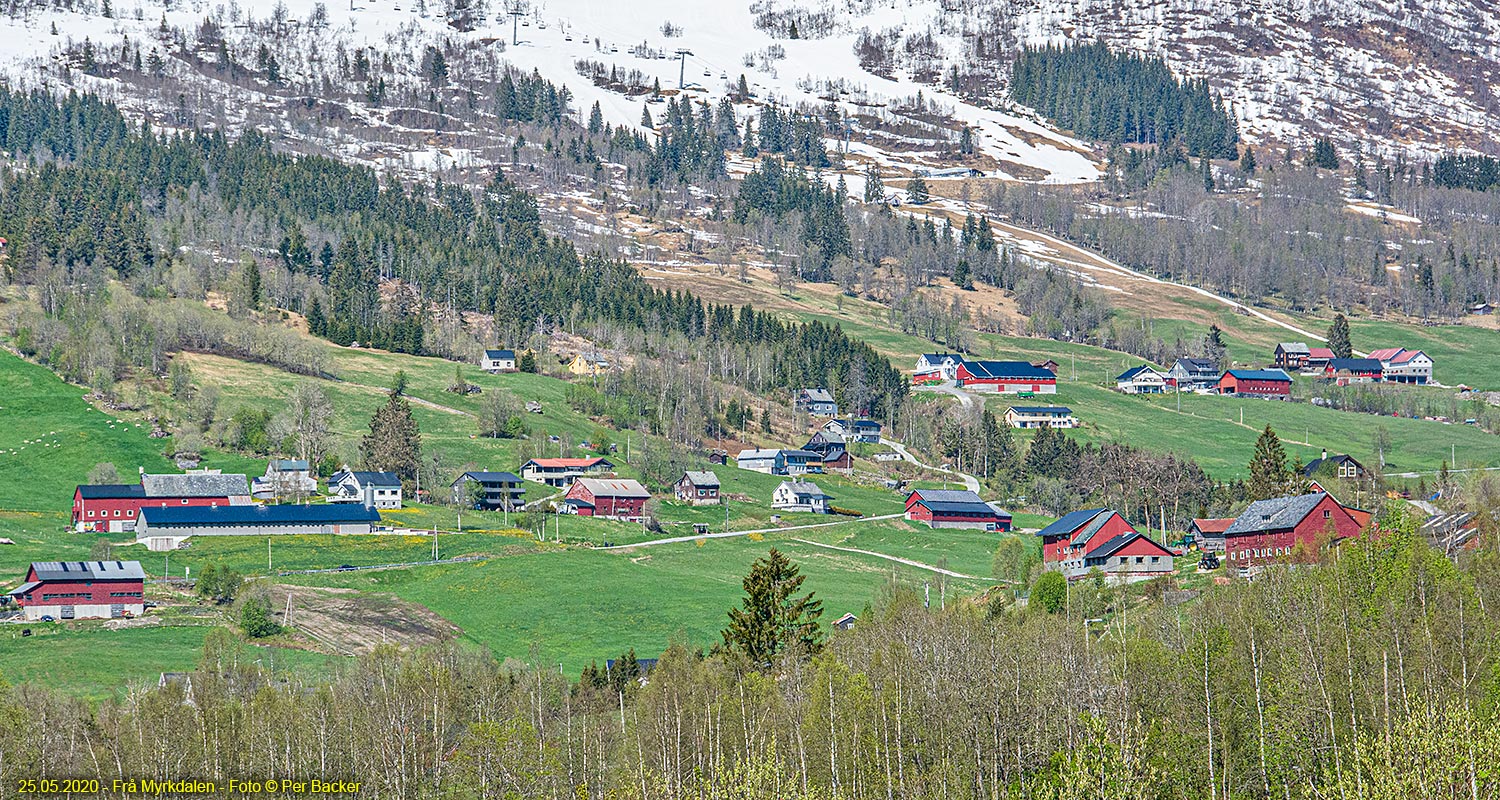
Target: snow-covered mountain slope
[563, 39]
[1390, 75]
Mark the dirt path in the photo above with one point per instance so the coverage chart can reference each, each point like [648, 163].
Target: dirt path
[899, 560]
[732, 534]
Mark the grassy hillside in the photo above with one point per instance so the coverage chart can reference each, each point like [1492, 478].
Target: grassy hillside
[90, 661]
[576, 606]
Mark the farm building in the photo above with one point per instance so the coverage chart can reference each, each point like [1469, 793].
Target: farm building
[1286, 528]
[854, 430]
[1208, 533]
[1291, 355]
[1317, 359]
[780, 462]
[800, 496]
[1272, 383]
[81, 590]
[698, 488]
[1128, 557]
[167, 528]
[817, 402]
[1066, 541]
[588, 365]
[373, 489]
[831, 449]
[488, 491]
[1338, 465]
[1040, 417]
[1399, 365]
[285, 477]
[937, 367]
[498, 361]
[1193, 373]
[1006, 377]
[1344, 371]
[115, 508]
[561, 472]
[1144, 379]
[612, 498]
[948, 508]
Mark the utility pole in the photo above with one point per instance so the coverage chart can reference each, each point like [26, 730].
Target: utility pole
[515, 24]
[682, 54]
[268, 554]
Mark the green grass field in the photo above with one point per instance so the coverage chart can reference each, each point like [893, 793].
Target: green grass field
[90, 661]
[576, 606]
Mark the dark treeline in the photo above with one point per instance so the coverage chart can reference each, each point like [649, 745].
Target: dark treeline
[1462, 171]
[1372, 675]
[439, 246]
[1119, 98]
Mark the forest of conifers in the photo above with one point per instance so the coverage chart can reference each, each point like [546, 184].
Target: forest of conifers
[84, 213]
[1371, 675]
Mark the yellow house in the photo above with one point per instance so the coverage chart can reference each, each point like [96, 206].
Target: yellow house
[588, 365]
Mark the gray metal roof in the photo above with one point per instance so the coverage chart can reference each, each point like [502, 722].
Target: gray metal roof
[818, 395]
[955, 501]
[88, 570]
[1299, 348]
[384, 479]
[614, 487]
[196, 484]
[701, 478]
[1275, 514]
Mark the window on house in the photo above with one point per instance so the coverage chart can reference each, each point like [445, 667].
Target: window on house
[91, 513]
[129, 512]
[1327, 514]
[117, 512]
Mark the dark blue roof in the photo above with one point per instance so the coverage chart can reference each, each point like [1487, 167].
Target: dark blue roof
[1007, 369]
[956, 502]
[1260, 375]
[1071, 521]
[490, 477]
[110, 491]
[186, 516]
[1130, 374]
[500, 354]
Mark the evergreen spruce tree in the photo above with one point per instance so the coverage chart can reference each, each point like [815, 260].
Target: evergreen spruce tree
[1247, 161]
[596, 119]
[874, 187]
[646, 117]
[394, 443]
[1269, 475]
[916, 191]
[1338, 338]
[771, 618]
[1323, 155]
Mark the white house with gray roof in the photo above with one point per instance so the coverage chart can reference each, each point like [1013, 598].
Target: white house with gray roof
[800, 496]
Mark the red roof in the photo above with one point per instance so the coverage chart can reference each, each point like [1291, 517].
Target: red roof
[565, 463]
[1213, 525]
[1385, 353]
[1320, 352]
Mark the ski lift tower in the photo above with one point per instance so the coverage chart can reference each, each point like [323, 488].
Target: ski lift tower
[682, 54]
[515, 24]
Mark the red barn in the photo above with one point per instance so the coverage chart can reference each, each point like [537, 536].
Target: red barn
[1271, 530]
[946, 508]
[1256, 383]
[615, 498]
[1066, 542]
[116, 507]
[1006, 377]
[82, 589]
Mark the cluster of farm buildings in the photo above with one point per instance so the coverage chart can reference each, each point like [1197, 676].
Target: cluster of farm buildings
[1389, 365]
[164, 510]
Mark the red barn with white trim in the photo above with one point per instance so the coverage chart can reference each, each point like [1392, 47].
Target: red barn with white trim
[947, 508]
[82, 589]
[1272, 530]
[615, 498]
